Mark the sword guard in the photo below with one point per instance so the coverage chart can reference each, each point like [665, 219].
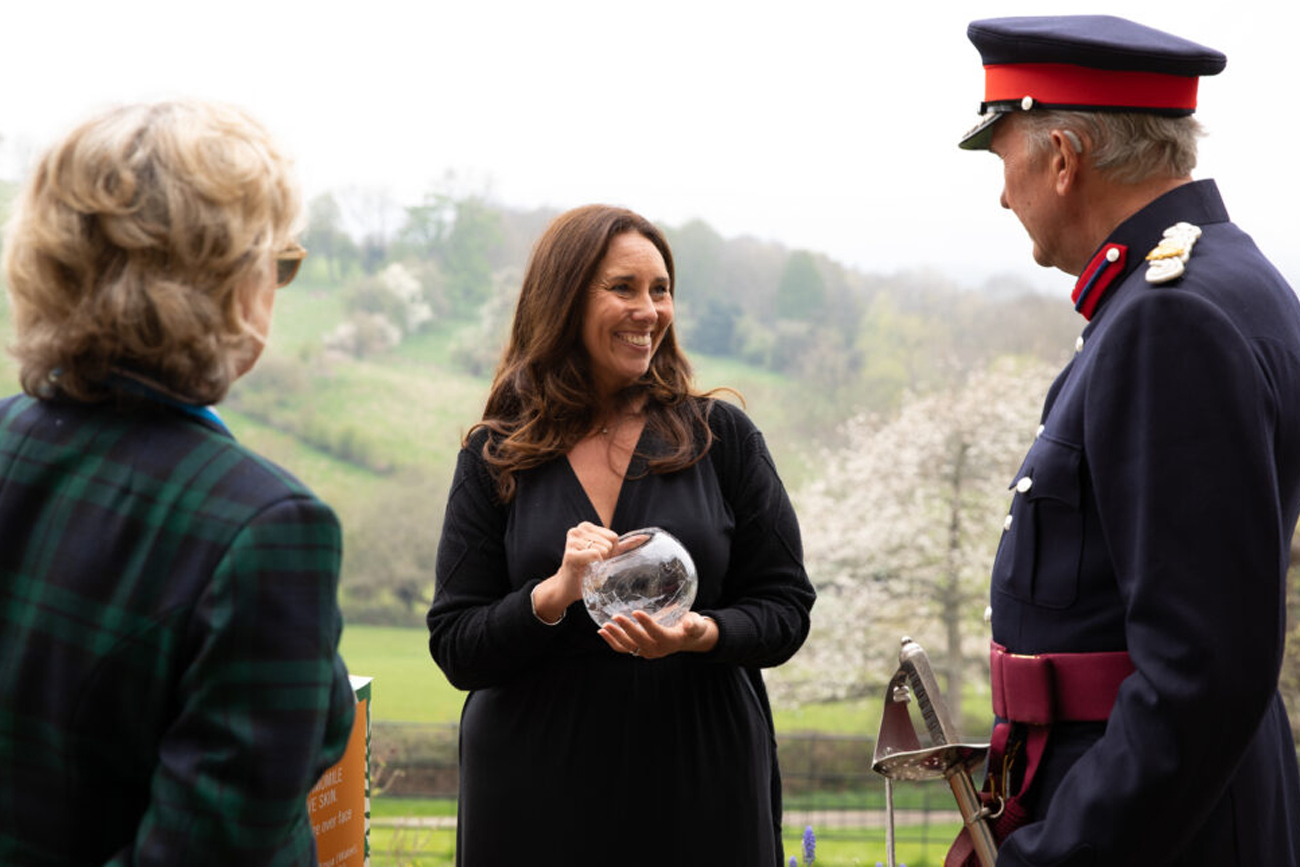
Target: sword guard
[932, 763]
[899, 754]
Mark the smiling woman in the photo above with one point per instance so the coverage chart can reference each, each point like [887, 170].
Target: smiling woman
[592, 430]
[629, 309]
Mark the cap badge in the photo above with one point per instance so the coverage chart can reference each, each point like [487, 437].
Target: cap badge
[1169, 258]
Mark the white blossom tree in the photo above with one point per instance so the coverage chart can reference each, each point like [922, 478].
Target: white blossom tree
[901, 527]
[383, 309]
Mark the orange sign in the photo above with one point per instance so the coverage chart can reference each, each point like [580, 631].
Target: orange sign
[338, 805]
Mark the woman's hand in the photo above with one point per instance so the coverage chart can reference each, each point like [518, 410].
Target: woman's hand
[641, 636]
[583, 545]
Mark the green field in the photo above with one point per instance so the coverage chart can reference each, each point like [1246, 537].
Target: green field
[426, 847]
[409, 687]
[405, 845]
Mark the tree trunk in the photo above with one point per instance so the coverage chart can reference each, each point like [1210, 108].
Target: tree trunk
[953, 598]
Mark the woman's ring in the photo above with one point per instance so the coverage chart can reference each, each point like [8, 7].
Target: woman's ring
[590, 542]
[636, 651]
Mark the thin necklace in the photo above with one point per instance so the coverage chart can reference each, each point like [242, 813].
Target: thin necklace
[613, 425]
[618, 420]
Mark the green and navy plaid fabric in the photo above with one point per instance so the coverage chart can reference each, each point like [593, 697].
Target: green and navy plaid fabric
[170, 686]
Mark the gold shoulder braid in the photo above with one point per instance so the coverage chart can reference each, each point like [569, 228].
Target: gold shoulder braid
[1169, 258]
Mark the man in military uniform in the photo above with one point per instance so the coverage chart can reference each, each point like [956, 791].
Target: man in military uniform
[1138, 591]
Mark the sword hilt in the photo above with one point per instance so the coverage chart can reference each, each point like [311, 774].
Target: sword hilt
[899, 755]
[925, 686]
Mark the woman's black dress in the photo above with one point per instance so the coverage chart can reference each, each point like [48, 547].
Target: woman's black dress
[574, 754]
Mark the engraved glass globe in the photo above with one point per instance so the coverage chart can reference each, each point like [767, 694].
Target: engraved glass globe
[648, 571]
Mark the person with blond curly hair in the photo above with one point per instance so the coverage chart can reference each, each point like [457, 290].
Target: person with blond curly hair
[169, 620]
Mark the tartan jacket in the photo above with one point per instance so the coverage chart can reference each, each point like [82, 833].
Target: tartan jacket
[170, 686]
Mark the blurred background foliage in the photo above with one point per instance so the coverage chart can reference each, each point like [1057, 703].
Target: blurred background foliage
[896, 404]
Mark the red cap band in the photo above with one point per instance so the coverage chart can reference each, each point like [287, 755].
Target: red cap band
[1067, 84]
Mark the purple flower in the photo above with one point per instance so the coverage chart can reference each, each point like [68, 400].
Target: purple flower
[795, 863]
[809, 845]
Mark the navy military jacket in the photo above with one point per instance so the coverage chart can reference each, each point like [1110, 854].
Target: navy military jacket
[1163, 489]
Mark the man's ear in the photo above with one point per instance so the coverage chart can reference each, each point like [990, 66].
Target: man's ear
[1066, 156]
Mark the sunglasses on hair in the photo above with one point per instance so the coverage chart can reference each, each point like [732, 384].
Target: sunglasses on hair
[287, 263]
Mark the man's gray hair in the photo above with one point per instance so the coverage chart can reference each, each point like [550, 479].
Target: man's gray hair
[1127, 147]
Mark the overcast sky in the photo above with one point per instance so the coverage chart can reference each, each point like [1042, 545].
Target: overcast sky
[824, 125]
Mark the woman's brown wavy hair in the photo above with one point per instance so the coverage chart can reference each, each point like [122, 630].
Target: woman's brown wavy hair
[542, 398]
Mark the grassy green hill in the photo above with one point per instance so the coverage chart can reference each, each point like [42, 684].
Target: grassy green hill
[377, 437]
[414, 404]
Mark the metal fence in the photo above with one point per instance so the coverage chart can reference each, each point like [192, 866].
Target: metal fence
[827, 780]
[414, 760]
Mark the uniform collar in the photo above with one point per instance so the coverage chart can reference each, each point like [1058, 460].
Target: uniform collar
[1104, 277]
